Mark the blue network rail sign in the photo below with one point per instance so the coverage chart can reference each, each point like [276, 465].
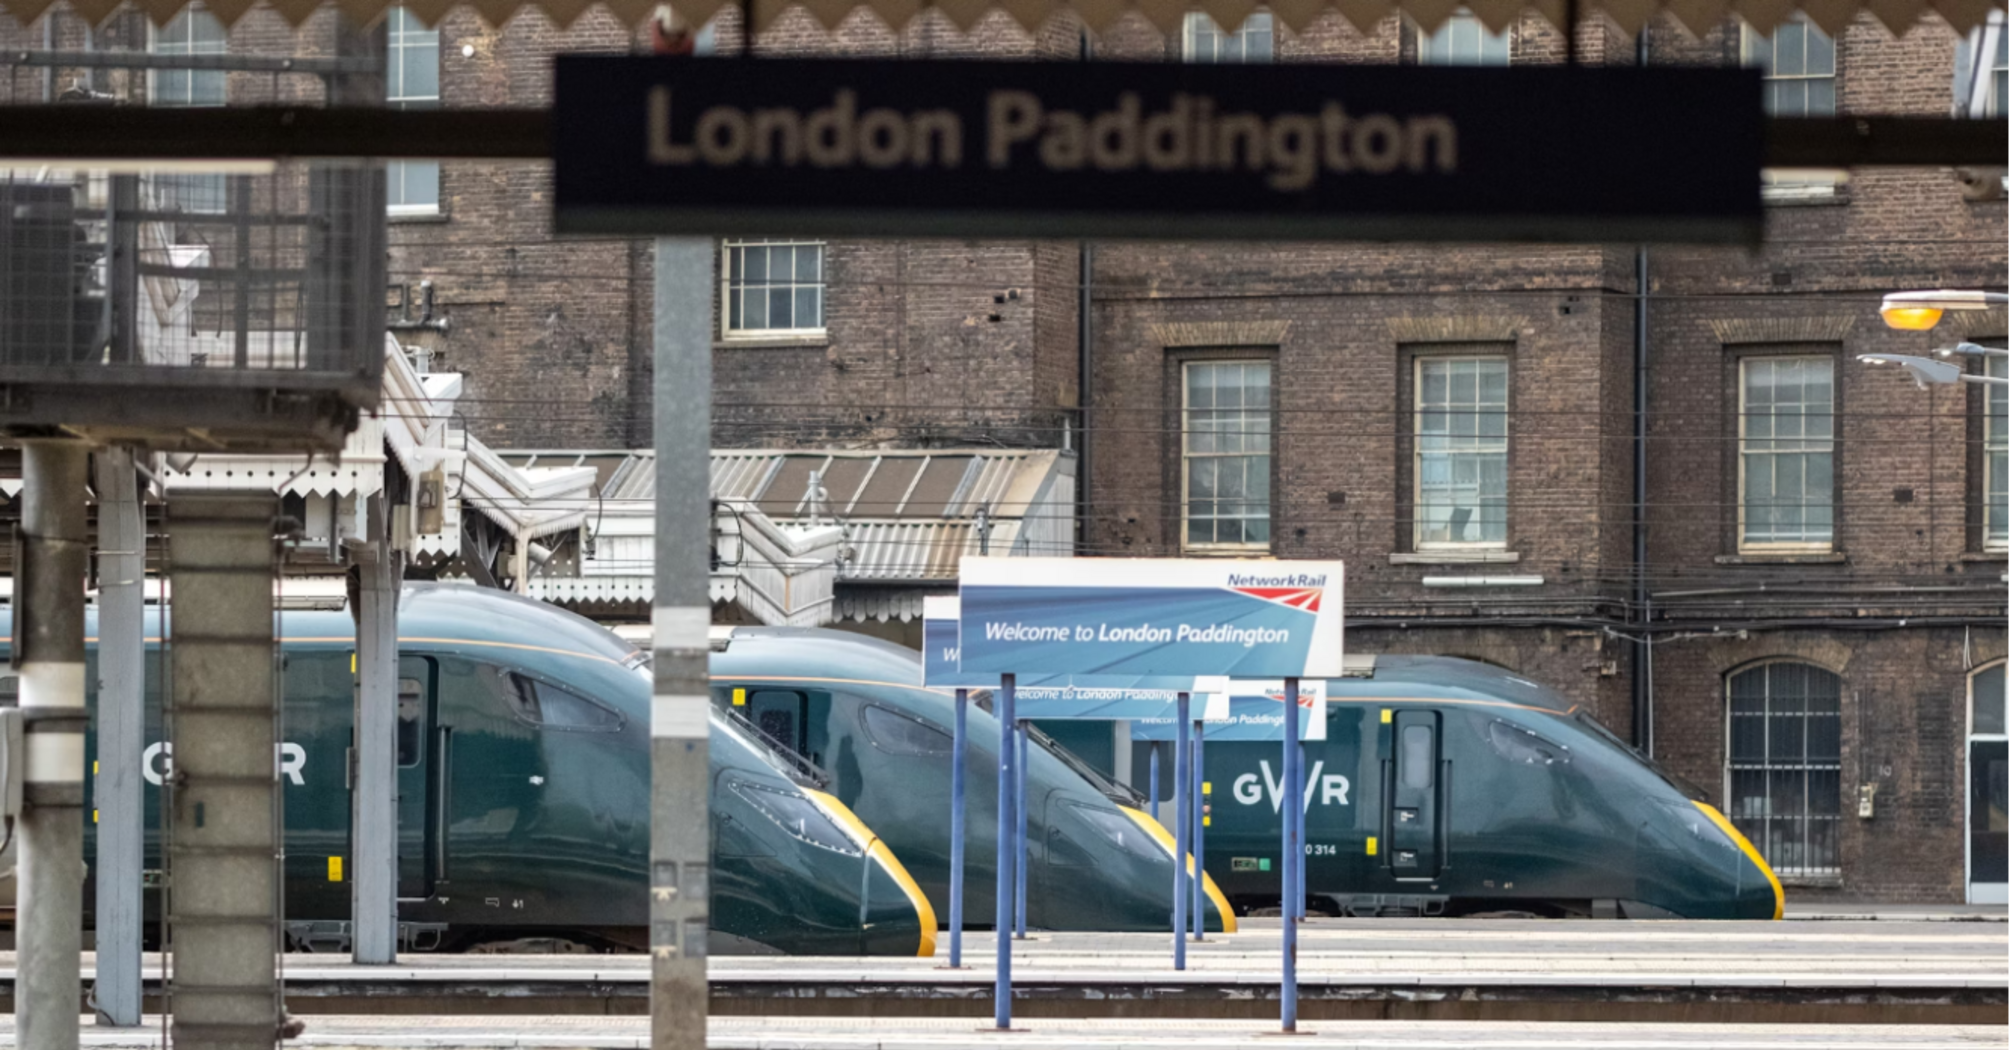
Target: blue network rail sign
[916, 147]
[1095, 697]
[1150, 616]
[1248, 711]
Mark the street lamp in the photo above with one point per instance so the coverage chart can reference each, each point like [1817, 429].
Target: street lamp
[1923, 370]
[1920, 311]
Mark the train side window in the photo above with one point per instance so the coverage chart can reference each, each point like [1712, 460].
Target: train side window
[1418, 756]
[1518, 745]
[902, 734]
[411, 720]
[544, 704]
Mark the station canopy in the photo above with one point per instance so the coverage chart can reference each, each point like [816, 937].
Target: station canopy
[1699, 16]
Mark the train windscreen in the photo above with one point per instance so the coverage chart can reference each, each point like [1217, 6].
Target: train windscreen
[1688, 788]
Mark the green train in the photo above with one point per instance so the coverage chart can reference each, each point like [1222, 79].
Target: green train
[1448, 786]
[523, 787]
[854, 707]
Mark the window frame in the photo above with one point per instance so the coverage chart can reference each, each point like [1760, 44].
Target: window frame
[1807, 817]
[1829, 546]
[1995, 442]
[1198, 20]
[728, 333]
[1417, 365]
[1460, 17]
[1181, 371]
[394, 48]
[1790, 184]
[213, 186]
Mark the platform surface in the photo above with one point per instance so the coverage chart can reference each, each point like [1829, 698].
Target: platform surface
[749, 1033]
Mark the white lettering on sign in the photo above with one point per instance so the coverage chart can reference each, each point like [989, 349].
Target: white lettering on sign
[1331, 788]
[1185, 136]
[157, 762]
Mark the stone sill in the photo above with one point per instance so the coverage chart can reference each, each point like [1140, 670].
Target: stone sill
[1453, 557]
[1989, 557]
[1760, 558]
[794, 342]
[1813, 882]
[417, 218]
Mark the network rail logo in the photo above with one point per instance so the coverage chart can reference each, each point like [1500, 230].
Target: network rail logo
[1299, 591]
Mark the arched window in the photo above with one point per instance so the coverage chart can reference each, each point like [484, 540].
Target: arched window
[1783, 765]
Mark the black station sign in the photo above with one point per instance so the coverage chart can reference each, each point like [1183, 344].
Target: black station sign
[811, 147]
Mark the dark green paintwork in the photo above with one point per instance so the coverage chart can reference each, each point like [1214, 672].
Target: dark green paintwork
[1092, 869]
[546, 829]
[1559, 819]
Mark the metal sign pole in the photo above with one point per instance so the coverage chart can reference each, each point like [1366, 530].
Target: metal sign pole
[679, 810]
[1287, 991]
[1019, 736]
[1156, 815]
[1181, 785]
[956, 831]
[1002, 994]
[1200, 819]
[1298, 819]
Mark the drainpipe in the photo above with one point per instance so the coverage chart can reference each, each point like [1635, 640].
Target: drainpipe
[1085, 333]
[1643, 649]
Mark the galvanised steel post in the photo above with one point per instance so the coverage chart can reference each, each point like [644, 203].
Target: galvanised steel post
[956, 829]
[115, 790]
[1019, 834]
[1008, 687]
[1181, 788]
[679, 817]
[1287, 990]
[1200, 819]
[50, 654]
[1155, 782]
[374, 799]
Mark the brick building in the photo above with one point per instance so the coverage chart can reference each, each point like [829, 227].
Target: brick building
[1823, 569]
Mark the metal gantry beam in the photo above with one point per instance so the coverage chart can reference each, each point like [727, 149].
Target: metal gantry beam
[134, 133]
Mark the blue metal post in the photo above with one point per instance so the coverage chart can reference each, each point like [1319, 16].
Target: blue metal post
[1287, 992]
[1007, 695]
[1019, 848]
[1304, 803]
[1199, 836]
[956, 831]
[1182, 789]
[1155, 782]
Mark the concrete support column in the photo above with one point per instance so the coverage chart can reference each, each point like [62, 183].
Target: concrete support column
[116, 788]
[49, 581]
[679, 809]
[374, 796]
[224, 812]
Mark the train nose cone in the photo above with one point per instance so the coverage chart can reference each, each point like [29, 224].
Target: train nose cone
[894, 915]
[1759, 894]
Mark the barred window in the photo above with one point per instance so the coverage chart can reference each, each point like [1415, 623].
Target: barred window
[412, 81]
[1784, 764]
[1226, 453]
[1203, 40]
[773, 287]
[1463, 41]
[1786, 450]
[1461, 469]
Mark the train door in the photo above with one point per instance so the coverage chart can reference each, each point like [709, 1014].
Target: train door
[1414, 795]
[421, 779]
